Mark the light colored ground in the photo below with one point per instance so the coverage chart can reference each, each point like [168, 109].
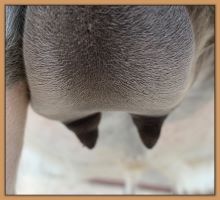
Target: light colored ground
[54, 162]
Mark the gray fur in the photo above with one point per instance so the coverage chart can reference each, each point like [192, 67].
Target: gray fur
[14, 64]
[80, 60]
[94, 58]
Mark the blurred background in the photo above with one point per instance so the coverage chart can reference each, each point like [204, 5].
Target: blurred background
[182, 162]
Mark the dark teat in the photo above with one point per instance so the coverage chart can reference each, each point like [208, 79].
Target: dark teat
[149, 128]
[86, 129]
